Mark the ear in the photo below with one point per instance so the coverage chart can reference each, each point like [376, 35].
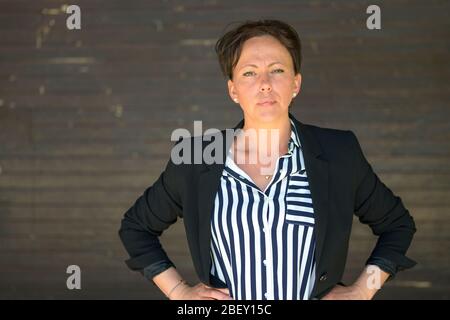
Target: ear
[297, 82]
[231, 90]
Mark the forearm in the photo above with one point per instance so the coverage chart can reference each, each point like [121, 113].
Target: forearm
[169, 282]
[371, 280]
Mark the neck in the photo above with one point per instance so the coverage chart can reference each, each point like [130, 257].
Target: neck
[265, 136]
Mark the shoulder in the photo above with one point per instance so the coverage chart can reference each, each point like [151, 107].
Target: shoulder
[332, 139]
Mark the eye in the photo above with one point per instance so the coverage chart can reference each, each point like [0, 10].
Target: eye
[248, 73]
[278, 71]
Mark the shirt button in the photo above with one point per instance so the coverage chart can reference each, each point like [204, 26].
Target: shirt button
[264, 229]
[265, 295]
[265, 262]
[241, 177]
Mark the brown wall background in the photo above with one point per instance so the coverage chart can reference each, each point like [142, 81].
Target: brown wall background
[86, 118]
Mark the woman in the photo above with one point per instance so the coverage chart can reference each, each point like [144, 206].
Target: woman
[276, 227]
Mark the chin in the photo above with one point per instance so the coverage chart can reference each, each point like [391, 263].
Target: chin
[270, 114]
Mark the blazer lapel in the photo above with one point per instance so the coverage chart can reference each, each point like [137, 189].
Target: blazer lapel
[317, 169]
[208, 185]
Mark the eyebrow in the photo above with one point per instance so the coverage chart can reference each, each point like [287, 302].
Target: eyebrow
[255, 66]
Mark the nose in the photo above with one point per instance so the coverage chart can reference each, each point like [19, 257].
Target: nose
[265, 84]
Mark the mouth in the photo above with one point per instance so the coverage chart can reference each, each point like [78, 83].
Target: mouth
[266, 103]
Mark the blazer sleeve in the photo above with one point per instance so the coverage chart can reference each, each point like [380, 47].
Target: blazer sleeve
[153, 212]
[384, 212]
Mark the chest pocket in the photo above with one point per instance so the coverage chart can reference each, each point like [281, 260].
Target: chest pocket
[299, 206]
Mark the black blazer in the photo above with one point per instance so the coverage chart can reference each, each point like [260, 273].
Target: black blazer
[342, 183]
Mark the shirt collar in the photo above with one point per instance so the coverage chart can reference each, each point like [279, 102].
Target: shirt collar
[294, 139]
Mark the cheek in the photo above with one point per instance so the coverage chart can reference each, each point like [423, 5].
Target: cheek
[248, 83]
[247, 87]
[283, 87]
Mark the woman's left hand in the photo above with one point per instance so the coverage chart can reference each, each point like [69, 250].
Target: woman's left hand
[352, 292]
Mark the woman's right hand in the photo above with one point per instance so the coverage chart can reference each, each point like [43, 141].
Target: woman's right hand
[200, 292]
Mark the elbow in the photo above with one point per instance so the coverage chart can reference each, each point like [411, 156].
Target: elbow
[127, 229]
[410, 224]
[122, 232]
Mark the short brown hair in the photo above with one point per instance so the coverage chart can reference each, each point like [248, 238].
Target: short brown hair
[229, 46]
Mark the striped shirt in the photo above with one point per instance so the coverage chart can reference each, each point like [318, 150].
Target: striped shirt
[262, 244]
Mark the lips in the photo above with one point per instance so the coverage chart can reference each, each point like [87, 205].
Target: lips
[266, 102]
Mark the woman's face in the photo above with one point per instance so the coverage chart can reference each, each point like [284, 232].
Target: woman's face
[264, 81]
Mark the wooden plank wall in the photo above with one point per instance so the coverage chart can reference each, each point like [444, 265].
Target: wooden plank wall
[86, 118]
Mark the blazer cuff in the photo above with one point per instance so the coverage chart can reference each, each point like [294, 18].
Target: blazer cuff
[390, 261]
[156, 268]
[385, 265]
[140, 262]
